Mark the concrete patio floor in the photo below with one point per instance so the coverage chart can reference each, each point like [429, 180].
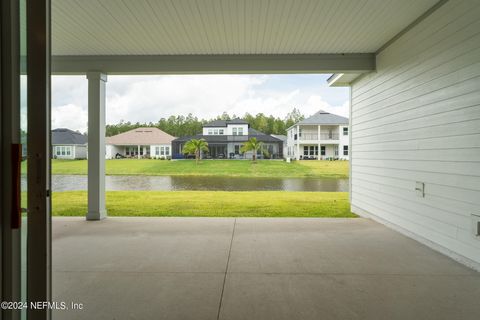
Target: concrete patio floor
[254, 268]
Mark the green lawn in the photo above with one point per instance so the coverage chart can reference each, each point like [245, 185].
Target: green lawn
[232, 168]
[209, 204]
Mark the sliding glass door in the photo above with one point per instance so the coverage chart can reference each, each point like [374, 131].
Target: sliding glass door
[25, 158]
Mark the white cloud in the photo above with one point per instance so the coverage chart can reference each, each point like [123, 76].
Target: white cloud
[70, 116]
[149, 98]
[316, 102]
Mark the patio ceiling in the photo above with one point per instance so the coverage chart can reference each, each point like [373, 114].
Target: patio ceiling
[88, 33]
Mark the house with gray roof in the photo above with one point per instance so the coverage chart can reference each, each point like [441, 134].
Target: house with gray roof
[68, 144]
[322, 136]
[225, 139]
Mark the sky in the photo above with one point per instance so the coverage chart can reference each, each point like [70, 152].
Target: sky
[150, 98]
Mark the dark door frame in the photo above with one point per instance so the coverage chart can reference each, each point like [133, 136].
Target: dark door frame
[39, 259]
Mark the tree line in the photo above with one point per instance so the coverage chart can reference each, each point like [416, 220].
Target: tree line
[180, 126]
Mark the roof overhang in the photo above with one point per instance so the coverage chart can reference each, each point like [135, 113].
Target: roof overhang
[229, 37]
[215, 64]
[342, 79]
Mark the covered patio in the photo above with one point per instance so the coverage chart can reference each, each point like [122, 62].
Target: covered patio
[254, 268]
[413, 68]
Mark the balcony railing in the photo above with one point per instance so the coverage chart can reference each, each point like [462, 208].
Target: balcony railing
[314, 137]
[329, 136]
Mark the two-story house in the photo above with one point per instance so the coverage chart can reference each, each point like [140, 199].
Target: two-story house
[225, 139]
[321, 136]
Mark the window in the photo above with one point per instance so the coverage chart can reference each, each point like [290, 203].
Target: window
[234, 131]
[157, 151]
[63, 151]
[312, 150]
[167, 151]
[210, 131]
[237, 149]
[305, 150]
[322, 150]
[345, 131]
[240, 131]
[215, 131]
[345, 150]
[162, 151]
[220, 131]
[335, 148]
[299, 132]
[69, 151]
[316, 150]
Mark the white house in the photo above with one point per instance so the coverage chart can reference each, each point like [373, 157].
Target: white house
[321, 136]
[68, 144]
[140, 143]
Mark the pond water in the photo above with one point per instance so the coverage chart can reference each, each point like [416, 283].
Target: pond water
[177, 183]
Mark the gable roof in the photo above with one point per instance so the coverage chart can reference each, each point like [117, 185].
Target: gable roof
[323, 117]
[280, 136]
[224, 123]
[64, 136]
[141, 136]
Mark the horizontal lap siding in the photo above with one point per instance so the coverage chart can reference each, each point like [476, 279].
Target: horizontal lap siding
[417, 118]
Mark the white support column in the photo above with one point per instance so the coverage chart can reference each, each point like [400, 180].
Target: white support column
[298, 142]
[138, 152]
[319, 144]
[96, 145]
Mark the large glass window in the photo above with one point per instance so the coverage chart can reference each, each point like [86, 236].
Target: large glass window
[234, 131]
[210, 131]
[305, 150]
[220, 131]
[335, 148]
[215, 131]
[323, 150]
[240, 131]
[162, 151]
[157, 151]
[167, 151]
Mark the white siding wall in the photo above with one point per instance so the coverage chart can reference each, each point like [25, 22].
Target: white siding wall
[80, 152]
[418, 119]
[231, 126]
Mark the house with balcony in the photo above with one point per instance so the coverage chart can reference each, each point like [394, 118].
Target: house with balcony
[225, 139]
[320, 137]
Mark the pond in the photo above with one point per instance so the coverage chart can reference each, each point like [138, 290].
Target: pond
[177, 183]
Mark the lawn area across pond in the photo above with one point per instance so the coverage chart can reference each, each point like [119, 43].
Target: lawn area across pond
[209, 204]
[231, 168]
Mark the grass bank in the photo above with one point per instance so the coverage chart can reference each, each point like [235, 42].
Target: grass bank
[231, 168]
[209, 204]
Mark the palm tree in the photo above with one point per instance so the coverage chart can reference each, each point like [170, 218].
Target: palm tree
[195, 146]
[252, 145]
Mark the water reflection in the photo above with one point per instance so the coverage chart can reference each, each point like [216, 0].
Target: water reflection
[177, 183]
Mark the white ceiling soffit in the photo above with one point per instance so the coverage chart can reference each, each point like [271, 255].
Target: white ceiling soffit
[218, 27]
[342, 79]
